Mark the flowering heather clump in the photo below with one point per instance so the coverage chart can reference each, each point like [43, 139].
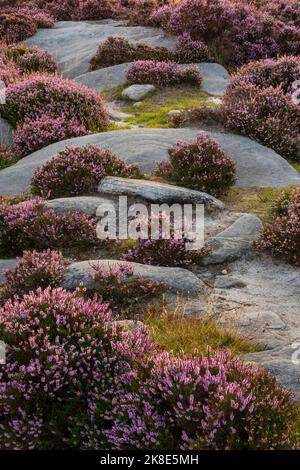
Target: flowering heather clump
[42, 19]
[268, 72]
[117, 50]
[237, 32]
[31, 59]
[78, 170]
[35, 269]
[189, 50]
[65, 362]
[31, 225]
[201, 165]
[76, 10]
[74, 380]
[282, 236]
[161, 16]
[161, 73]
[202, 403]
[268, 116]
[8, 71]
[140, 12]
[158, 250]
[7, 156]
[40, 94]
[287, 11]
[15, 27]
[122, 289]
[34, 135]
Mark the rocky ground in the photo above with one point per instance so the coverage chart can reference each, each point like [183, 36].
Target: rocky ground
[247, 291]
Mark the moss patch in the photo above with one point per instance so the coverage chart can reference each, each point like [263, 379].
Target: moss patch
[153, 112]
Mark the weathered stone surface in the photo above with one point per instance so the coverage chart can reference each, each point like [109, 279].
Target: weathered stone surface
[174, 279]
[284, 363]
[73, 44]
[156, 192]
[234, 241]
[137, 92]
[228, 282]
[85, 204]
[214, 78]
[104, 79]
[6, 132]
[116, 114]
[6, 264]
[262, 320]
[256, 165]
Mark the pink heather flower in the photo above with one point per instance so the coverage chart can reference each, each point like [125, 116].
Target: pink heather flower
[40, 95]
[161, 73]
[200, 165]
[34, 135]
[78, 170]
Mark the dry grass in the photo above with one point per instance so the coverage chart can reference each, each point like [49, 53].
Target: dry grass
[258, 201]
[175, 332]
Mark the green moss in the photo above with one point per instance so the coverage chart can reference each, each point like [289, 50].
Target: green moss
[296, 166]
[153, 112]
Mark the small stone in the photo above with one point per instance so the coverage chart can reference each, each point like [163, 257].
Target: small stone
[137, 92]
[174, 112]
[224, 272]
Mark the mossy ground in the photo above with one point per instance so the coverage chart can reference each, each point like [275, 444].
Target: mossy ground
[153, 111]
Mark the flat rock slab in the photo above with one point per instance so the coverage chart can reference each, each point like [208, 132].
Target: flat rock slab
[86, 204]
[236, 240]
[215, 78]
[156, 192]
[73, 44]
[256, 165]
[175, 279]
[137, 92]
[6, 132]
[104, 79]
[6, 264]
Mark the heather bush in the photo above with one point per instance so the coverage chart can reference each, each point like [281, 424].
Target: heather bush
[139, 12]
[268, 116]
[78, 170]
[42, 19]
[189, 50]
[73, 380]
[39, 94]
[268, 73]
[31, 225]
[7, 156]
[8, 71]
[162, 73]
[236, 32]
[281, 236]
[68, 361]
[76, 10]
[216, 403]
[125, 292]
[34, 135]
[117, 50]
[34, 269]
[155, 248]
[201, 165]
[15, 27]
[31, 59]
